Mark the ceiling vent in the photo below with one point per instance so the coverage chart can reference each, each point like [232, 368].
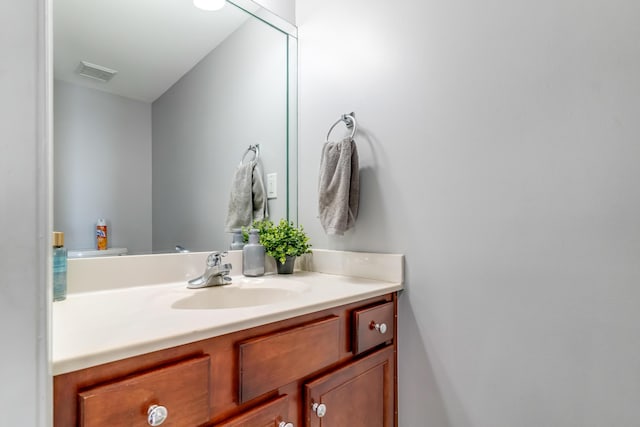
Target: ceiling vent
[96, 72]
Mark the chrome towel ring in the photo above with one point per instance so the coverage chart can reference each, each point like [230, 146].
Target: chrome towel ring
[255, 149]
[350, 122]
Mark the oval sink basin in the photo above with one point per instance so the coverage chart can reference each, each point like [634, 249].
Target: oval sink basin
[232, 296]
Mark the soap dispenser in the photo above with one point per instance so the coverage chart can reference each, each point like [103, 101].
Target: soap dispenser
[237, 241]
[253, 255]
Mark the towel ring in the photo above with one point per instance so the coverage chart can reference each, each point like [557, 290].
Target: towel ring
[349, 121]
[252, 148]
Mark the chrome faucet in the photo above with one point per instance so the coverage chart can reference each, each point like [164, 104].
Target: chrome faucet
[216, 273]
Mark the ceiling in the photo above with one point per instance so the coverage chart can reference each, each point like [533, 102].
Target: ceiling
[150, 43]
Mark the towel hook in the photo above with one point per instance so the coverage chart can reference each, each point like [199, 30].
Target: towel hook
[349, 121]
[256, 151]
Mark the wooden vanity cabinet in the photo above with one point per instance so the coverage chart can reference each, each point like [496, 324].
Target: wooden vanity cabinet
[269, 375]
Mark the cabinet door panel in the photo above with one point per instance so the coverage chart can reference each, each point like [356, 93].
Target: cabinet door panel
[357, 395]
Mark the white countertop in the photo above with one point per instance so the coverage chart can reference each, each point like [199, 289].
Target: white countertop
[92, 328]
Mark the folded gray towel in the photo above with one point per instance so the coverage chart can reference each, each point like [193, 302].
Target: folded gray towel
[339, 186]
[248, 198]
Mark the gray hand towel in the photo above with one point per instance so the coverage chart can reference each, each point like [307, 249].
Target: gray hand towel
[259, 195]
[248, 198]
[339, 186]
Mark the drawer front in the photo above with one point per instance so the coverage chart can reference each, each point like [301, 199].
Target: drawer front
[268, 414]
[274, 360]
[182, 388]
[373, 326]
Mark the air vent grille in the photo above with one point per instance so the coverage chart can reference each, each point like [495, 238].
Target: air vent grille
[96, 72]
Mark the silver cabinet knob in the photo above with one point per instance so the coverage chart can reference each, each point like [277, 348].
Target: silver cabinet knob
[156, 415]
[284, 424]
[380, 327]
[319, 409]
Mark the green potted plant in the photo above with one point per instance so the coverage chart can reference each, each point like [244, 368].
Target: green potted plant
[284, 242]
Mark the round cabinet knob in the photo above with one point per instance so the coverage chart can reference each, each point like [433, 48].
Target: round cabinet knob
[283, 424]
[156, 415]
[319, 409]
[380, 327]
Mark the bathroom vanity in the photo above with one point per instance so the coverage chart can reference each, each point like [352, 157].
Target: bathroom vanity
[317, 348]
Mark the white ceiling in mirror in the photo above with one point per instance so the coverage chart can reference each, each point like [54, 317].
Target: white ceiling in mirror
[171, 36]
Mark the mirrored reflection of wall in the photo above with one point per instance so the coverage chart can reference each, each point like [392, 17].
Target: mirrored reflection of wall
[102, 164]
[236, 96]
[175, 188]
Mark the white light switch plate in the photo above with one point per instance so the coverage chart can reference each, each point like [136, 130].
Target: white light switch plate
[272, 185]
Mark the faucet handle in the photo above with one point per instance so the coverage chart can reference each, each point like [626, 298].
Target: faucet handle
[215, 258]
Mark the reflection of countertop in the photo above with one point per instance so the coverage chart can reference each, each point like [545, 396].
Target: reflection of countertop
[86, 253]
[100, 326]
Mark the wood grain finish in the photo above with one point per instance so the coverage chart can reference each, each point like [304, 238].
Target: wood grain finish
[268, 414]
[183, 388]
[270, 361]
[366, 335]
[357, 395]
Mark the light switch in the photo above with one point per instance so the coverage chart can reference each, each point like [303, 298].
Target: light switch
[272, 185]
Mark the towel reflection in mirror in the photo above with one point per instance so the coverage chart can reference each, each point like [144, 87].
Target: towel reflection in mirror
[248, 198]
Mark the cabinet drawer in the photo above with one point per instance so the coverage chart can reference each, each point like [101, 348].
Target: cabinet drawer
[373, 326]
[182, 388]
[271, 361]
[268, 414]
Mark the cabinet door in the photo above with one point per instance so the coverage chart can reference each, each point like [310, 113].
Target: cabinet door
[360, 394]
[270, 414]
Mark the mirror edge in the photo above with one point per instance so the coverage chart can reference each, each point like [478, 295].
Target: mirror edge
[292, 129]
[267, 16]
[291, 31]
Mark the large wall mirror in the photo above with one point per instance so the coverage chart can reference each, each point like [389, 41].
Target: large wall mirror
[154, 149]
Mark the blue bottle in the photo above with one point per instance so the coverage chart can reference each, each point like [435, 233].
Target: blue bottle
[59, 267]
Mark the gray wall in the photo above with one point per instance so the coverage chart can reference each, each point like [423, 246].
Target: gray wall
[25, 390]
[499, 151]
[203, 125]
[102, 163]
